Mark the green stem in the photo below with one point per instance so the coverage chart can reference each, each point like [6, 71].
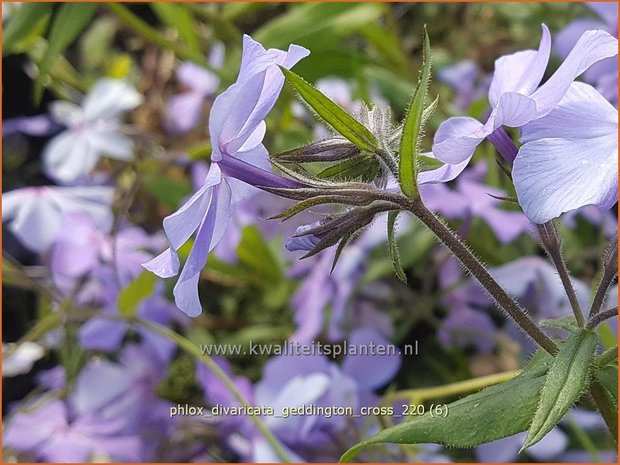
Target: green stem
[607, 357]
[471, 264]
[195, 351]
[607, 408]
[155, 37]
[418, 396]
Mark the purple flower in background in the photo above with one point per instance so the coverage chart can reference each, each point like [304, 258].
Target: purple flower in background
[471, 199]
[467, 323]
[237, 128]
[464, 78]
[185, 109]
[92, 130]
[39, 125]
[569, 158]
[515, 96]
[89, 247]
[604, 74]
[54, 433]
[507, 449]
[37, 214]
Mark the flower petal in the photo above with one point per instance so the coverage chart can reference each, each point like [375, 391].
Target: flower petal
[165, 265]
[592, 47]
[456, 139]
[69, 156]
[109, 98]
[521, 72]
[553, 176]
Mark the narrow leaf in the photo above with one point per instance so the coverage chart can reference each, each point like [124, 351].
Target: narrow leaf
[566, 381]
[393, 246]
[332, 113]
[68, 23]
[353, 168]
[138, 290]
[494, 413]
[412, 128]
[22, 22]
[608, 377]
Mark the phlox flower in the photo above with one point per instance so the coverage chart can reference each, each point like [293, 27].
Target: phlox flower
[237, 127]
[92, 130]
[569, 158]
[184, 110]
[37, 214]
[515, 96]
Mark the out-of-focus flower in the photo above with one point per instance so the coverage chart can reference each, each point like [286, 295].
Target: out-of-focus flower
[40, 125]
[184, 110]
[21, 359]
[569, 158]
[92, 130]
[291, 381]
[472, 199]
[55, 434]
[603, 75]
[37, 213]
[515, 96]
[89, 247]
[237, 128]
[466, 324]
[507, 449]
[464, 77]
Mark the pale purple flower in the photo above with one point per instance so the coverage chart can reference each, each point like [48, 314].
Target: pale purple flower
[515, 96]
[89, 247]
[92, 130]
[184, 110]
[55, 434]
[39, 125]
[237, 128]
[569, 158]
[603, 75]
[37, 214]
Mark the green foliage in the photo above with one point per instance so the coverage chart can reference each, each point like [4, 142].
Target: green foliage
[566, 381]
[393, 247]
[139, 289]
[332, 113]
[412, 128]
[493, 413]
[23, 23]
[67, 25]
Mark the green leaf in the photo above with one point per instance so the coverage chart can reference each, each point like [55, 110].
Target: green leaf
[22, 22]
[68, 23]
[494, 413]
[566, 323]
[412, 128]
[169, 191]
[178, 17]
[566, 381]
[608, 377]
[138, 290]
[353, 168]
[393, 247]
[332, 113]
[428, 163]
[254, 253]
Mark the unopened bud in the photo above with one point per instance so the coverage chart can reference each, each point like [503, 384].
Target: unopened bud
[328, 150]
[611, 259]
[550, 237]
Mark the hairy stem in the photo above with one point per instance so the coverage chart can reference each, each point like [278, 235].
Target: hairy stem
[195, 351]
[552, 244]
[610, 270]
[607, 357]
[473, 266]
[597, 319]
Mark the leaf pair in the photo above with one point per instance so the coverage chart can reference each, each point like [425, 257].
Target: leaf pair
[536, 399]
